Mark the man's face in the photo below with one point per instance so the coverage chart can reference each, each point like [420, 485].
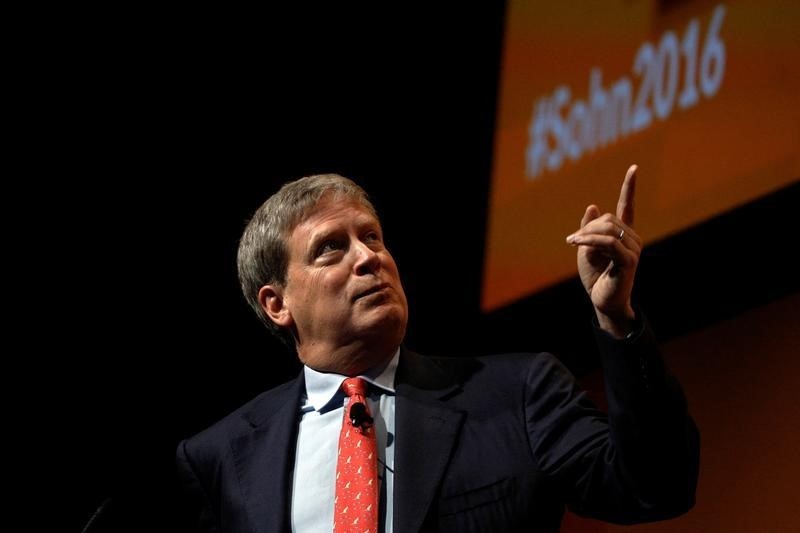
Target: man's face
[343, 292]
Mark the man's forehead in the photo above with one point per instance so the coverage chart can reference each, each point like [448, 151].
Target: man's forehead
[327, 211]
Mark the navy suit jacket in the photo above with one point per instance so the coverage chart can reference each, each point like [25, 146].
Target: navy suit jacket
[496, 443]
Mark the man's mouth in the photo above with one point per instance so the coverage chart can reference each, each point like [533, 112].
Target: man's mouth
[371, 290]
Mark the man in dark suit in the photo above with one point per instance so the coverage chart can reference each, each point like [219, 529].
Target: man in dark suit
[496, 443]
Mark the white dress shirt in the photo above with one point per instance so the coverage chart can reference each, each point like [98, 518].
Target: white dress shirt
[322, 411]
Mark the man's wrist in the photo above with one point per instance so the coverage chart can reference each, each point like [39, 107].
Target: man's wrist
[624, 326]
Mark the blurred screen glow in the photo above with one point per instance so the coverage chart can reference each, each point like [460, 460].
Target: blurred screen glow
[703, 96]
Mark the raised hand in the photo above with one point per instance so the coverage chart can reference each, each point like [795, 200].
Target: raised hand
[608, 254]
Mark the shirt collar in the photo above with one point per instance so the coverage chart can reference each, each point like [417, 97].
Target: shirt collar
[322, 387]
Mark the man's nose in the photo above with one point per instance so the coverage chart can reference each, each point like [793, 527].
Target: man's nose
[367, 260]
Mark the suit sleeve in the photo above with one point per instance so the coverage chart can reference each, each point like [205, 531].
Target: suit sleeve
[637, 463]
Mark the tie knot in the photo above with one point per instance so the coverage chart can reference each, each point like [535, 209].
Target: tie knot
[352, 386]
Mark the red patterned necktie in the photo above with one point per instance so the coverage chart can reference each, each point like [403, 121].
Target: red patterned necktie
[356, 504]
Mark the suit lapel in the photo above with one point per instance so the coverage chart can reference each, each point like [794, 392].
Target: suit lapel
[264, 456]
[426, 430]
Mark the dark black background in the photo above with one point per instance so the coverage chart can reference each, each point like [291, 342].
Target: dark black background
[161, 131]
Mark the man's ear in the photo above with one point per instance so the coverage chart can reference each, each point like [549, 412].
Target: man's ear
[271, 299]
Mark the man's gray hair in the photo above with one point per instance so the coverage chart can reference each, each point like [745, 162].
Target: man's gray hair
[263, 256]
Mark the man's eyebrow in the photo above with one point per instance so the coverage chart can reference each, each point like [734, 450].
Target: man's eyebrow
[317, 239]
[370, 223]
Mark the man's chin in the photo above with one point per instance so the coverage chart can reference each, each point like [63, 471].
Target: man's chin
[387, 320]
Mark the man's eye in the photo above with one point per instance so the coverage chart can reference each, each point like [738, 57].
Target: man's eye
[328, 246]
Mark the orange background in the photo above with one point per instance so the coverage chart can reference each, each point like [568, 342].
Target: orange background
[730, 148]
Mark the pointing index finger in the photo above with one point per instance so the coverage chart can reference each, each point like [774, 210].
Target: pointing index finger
[625, 203]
